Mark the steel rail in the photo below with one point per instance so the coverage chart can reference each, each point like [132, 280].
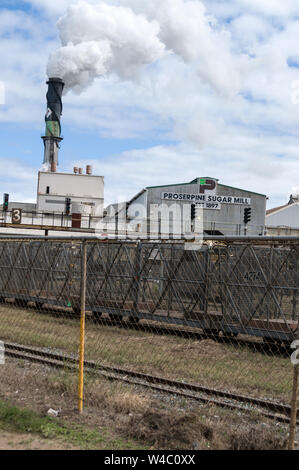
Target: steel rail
[161, 384]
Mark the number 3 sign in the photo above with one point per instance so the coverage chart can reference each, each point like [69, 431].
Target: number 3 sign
[17, 216]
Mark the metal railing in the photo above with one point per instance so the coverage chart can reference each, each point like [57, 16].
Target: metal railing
[115, 227]
[47, 219]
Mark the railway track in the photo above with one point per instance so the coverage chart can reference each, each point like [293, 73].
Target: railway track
[267, 408]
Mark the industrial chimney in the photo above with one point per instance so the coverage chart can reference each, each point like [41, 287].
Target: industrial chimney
[53, 137]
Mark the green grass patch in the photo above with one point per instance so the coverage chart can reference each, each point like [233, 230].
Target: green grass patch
[14, 419]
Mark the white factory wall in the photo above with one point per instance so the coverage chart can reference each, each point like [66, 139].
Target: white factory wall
[85, 189]
[285, 217]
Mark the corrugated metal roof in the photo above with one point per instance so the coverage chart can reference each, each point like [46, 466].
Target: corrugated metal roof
[204, 177]
[195, 181]
[275, 209]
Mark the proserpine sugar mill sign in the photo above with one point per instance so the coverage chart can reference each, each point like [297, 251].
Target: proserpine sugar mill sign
[206, 198]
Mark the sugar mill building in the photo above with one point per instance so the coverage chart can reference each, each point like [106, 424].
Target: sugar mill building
[203, 203]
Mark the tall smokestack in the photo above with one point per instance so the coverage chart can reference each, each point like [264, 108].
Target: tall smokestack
[53, 137]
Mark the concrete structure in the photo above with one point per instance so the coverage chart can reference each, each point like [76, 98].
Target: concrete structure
[85, 191]
[85, 194]
[202, 204]
[284, 220]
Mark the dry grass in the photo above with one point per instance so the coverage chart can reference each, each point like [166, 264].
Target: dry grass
[137, 418]
[163, 430]
[257, 438]
[127, 402]
[206, 362]
[110, 395]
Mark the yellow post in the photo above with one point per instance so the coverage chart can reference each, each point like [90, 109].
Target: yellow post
[294, 403]
[82, 325]
[293, 410]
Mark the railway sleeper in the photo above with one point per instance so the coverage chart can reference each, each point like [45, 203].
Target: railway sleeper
[21, 302]
[77, 310]
[116, 317]
[211, 333]
[97, 316]
[229, 334]
[134, 319]
[39, 305]
[276, 342]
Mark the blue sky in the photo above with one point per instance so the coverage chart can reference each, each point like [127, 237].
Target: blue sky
[16, 5]
[176, 122]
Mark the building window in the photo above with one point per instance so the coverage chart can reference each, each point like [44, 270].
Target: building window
[48, 190]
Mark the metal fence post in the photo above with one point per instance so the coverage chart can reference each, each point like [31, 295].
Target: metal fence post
[82, 324]
[137, 275]
[294, 404]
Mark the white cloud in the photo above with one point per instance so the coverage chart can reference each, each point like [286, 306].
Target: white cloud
[249, 30]
[256, 167]
[17, 179]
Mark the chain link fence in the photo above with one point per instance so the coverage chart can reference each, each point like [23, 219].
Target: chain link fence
[209, 329]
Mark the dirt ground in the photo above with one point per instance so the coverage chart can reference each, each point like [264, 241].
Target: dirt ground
[130, 417]
[17, 441]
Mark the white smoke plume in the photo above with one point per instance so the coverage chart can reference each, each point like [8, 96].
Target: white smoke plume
[99, 38]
